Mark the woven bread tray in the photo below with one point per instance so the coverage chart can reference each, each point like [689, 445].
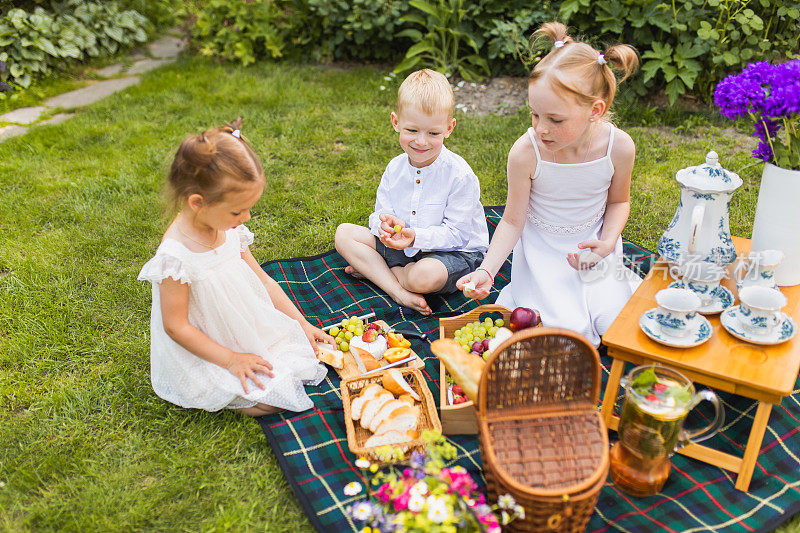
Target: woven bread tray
[357, 436]
[541, 437]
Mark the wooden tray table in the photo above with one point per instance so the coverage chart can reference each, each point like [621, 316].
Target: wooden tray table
[764, 373]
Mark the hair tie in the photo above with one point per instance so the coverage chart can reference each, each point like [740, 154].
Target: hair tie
[237, 134]
[601, 59]
[558, 44]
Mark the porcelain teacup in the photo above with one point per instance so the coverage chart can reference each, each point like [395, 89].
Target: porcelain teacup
[703, 278]
[759, 269]
[677, 309]
[760, 308]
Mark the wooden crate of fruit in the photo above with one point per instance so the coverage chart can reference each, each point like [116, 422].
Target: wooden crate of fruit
[457, 411]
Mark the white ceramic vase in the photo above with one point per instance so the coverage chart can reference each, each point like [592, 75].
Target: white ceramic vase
[776, 225]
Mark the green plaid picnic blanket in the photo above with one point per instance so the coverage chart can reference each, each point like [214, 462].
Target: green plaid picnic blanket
[311, 447]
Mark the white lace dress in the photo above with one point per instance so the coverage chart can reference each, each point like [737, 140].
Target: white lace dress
[227, 302]
[566, 207]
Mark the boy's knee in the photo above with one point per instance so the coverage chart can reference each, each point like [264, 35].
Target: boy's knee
[426, 278]
[344, 234]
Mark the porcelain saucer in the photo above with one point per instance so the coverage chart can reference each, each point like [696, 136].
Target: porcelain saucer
[722, 298]
[651, 328]
[781, 333]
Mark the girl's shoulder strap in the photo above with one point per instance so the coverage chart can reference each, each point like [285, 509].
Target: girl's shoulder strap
[536, 151]
[610, 139]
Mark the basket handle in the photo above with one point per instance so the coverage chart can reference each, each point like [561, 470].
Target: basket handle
[528, 334]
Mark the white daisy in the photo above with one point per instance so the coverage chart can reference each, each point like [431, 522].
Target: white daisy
[362, 511]
[416, 503]
[362, 462]
[420, 488]
[352, 488]
[438, 512]
[506, 501]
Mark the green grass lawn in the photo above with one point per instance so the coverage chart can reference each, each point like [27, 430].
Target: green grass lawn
[84, 442]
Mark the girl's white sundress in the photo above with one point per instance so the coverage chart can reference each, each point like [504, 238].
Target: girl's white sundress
[229, 303]
[566, 207]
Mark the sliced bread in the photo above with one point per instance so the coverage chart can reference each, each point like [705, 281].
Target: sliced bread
[402, 419]
[394, 382]
[390, 437]
[372, 407]
[358, 402]
[384, 411]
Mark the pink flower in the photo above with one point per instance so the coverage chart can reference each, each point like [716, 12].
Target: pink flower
[384, 493]
[401, 502]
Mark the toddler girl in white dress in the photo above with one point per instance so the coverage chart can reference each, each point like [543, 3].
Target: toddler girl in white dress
[223, 333]
[569, 179]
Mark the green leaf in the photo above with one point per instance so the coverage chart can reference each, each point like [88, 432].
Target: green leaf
[115, 33]
[16, 70]
[411, 33]
[427, 7]
[674, 89]
[415, 18]
[407, 64]
[424, 46]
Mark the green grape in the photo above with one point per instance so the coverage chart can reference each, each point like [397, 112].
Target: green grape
[344, 322]
[351, 328]
[476, 324]
[358, 332]
[343, 346]
[492, 330]
[334, 331]
[348, 335]
[499, 322]
[481, 331]
[488, 321]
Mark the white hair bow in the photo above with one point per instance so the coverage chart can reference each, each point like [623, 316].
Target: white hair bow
[558, 44]
[237, 134]
[601, 59]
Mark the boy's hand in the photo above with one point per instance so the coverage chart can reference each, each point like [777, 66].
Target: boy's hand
[594, 251]
[475, 285]
[316, 335]
[246, 365]
[390, 237]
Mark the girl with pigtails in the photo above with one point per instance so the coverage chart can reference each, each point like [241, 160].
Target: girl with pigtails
[569, 178]
[223, 334]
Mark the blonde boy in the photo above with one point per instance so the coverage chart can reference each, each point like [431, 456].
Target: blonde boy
[428, 228]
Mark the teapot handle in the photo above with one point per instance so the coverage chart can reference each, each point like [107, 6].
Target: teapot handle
[709, 431]
[737, 271]
[697, 220]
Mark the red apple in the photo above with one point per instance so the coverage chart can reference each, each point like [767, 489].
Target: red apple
[522, 318]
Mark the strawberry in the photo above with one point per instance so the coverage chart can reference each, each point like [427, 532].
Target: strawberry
[457, 389]
[659, 387]
[651, 398]
[374, 326]
[370, 335]
[459, 399]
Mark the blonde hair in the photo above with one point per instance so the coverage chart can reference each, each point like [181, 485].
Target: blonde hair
[212, 164]
[427, 90]
[578, 69]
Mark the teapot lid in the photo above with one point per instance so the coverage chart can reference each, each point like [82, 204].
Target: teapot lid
[709, 177]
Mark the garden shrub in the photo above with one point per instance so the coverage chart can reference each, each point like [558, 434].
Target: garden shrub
[239, 30]
[687, 46]
[350, 29]
[32, 43]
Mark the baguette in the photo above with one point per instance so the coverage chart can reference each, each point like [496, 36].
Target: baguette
[390, 437]
[369, 392]
[394, 382]
[372, 407]
[370, 363]
[330, 355]
[383, 413]
[464, 368]
[402, 419]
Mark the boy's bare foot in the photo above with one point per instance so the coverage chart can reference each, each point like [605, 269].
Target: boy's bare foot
[413, 300]
[353, 272]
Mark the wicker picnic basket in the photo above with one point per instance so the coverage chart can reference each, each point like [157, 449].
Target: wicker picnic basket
[542, 438]
[357, 435]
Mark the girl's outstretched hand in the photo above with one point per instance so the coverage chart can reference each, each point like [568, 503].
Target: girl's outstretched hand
[594, 251]
[316, 335]
[247, 365]
[475, 285]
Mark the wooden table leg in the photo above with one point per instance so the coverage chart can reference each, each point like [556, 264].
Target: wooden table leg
[612, 386]
[753, 445]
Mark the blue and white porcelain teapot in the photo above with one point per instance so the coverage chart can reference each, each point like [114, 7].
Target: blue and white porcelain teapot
[700, 229]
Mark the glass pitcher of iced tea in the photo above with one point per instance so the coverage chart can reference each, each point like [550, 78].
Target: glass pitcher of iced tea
[657, 400]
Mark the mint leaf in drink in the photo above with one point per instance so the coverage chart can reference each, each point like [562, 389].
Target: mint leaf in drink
[644, 381]
[680, 394]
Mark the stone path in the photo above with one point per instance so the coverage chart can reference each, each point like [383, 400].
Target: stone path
[162, 51]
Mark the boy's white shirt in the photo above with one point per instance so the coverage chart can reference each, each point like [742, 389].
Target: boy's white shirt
[444, 209]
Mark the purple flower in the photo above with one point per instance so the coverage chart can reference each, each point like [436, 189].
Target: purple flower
[417, 460]
[767, 93]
